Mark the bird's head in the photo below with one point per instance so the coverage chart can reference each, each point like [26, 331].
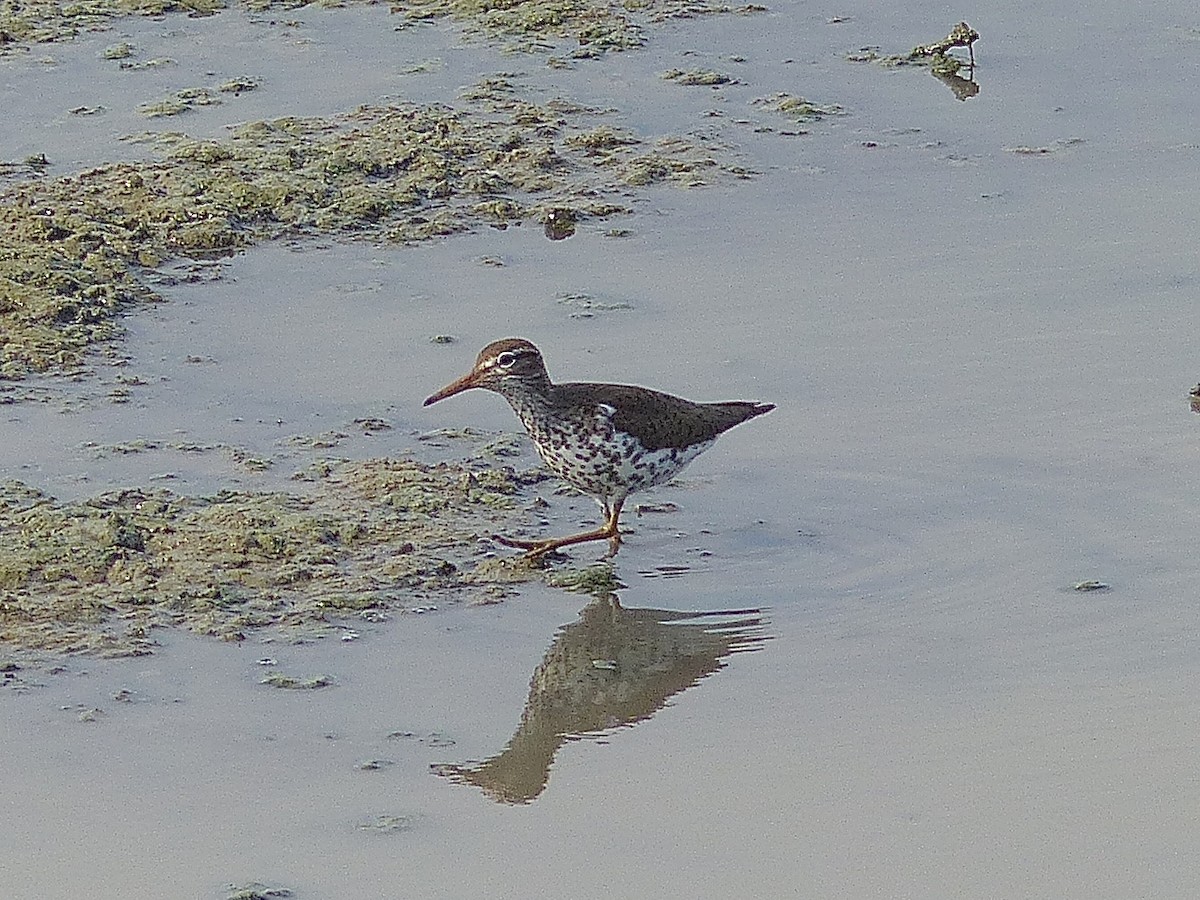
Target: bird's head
[504, 366]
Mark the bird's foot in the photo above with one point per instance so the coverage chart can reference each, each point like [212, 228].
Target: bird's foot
[534, 549]
[538, 549]
[614, 544]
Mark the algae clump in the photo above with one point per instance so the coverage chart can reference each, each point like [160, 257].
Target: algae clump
[72, 249]
[596, 26]
[388, 534]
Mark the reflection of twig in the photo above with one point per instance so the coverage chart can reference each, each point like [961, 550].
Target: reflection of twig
[963, 88]
[962, 35]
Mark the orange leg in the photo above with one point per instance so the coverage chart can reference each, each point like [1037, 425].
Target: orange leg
[608, 531]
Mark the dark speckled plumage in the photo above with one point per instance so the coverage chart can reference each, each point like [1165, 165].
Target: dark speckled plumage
[608, 440]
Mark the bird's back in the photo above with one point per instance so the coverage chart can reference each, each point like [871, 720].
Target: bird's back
[660, 421]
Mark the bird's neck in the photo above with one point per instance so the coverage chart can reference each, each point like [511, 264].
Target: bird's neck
[532, 401]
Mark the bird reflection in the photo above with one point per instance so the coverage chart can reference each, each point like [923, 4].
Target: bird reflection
[612, 668]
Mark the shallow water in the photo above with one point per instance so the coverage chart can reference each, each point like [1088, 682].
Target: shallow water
[980, 358]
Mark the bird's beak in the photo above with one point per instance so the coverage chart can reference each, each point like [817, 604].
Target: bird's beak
[468, 381]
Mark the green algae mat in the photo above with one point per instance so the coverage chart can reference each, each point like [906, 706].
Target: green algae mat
[370, 538]
[73, 249]
[594, 26]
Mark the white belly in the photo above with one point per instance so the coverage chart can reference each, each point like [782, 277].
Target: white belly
[617, 467]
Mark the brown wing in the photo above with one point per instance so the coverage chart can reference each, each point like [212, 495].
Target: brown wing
[661, 420]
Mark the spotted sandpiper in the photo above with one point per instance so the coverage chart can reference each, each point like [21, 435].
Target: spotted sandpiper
[607, 440]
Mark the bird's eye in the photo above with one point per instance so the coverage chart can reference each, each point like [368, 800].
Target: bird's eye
[506, 359]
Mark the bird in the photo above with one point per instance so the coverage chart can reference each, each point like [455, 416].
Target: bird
[606, 440]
